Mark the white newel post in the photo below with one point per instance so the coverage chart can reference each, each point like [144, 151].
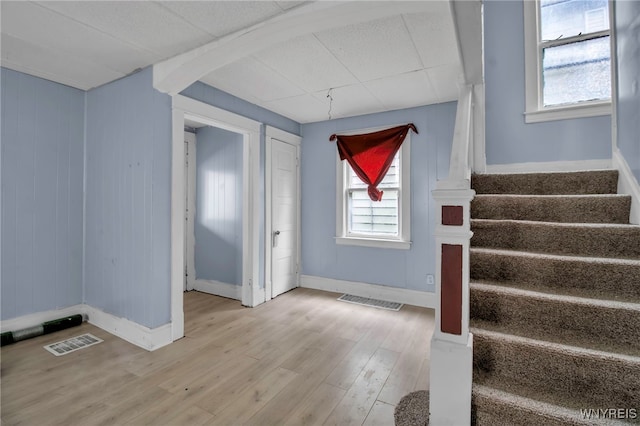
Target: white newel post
[452, 344]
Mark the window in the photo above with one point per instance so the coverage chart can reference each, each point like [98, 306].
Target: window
[567, 59]
[385, 223]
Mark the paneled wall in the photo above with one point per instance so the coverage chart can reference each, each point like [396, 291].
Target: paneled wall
[218, 216]
[628, 88]
[128, 206]
[430, 152]
[216, 97]
[42, 179]
[508, 138]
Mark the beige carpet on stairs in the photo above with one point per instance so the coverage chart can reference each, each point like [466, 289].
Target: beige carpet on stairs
[555, 300]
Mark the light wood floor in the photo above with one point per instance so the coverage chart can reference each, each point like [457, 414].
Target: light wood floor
[303, 358]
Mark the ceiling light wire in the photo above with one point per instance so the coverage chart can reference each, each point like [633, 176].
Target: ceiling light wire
[330, 102]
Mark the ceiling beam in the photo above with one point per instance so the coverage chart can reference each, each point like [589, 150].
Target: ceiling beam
[467, 20]
[175, 74]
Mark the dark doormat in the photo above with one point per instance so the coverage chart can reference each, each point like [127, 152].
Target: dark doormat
[413, 409]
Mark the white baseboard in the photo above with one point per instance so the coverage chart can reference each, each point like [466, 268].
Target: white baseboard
[551, 166]
[37, 318]
[219, 288]
[139, 335]
[373, 291]
[144, 337]
[627, 184]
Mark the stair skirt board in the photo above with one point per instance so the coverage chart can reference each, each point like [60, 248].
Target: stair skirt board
[554, 300]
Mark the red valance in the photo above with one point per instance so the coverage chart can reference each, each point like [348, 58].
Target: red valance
[370, 155]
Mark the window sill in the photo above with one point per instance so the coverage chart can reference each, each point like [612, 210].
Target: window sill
[373, 242]
[568, 112]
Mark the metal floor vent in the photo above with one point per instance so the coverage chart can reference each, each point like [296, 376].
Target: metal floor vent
[365, 301]
[71, 345]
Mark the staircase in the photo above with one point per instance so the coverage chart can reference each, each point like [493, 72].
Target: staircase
[555, 300]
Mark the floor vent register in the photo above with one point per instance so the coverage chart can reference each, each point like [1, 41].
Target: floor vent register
[365, 301]
[73, 344]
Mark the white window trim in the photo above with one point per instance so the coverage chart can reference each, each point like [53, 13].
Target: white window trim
[403, 241]
[535, 112]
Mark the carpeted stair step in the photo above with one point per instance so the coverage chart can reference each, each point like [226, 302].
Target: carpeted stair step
[590, 323]
[493, 407]
[610, 279]
[588, 182]
[597, 240]
[556, 374]
[553, 208]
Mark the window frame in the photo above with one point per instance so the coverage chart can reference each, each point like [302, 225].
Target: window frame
[535, 111]
[403, 240]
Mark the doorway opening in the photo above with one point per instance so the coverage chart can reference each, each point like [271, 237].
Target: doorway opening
[195, 112]
[213, 242]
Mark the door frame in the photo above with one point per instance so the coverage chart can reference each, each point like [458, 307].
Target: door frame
[182, 107]
[190, 239]
[272, 133]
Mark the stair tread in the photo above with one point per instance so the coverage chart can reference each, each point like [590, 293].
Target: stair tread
[588, 181]
[586, 259]
[547, 196]
[569, 340]
[576, 292]
[538, 408]
[578, 225]
[585, 301]
[576, 351]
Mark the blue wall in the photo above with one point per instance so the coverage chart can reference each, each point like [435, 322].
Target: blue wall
[216, 97]
[128, 206]
[218, 216]
[508, 138]
[42, 178]
[628, 46]
[430, 151]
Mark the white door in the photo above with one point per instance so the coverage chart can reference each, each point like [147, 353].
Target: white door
[284, 217]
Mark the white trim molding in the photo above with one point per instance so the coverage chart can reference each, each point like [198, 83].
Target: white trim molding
[34, 319]
[373, 291]
[144, 337]
[550, 166]
[627, 184]
[139, 335]
[218, 288]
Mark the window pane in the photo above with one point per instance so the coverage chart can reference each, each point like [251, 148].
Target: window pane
[577, 72]
[567, 18]
[373, 217]
[391, 178]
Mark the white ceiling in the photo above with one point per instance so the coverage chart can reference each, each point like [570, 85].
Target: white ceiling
[399, 61]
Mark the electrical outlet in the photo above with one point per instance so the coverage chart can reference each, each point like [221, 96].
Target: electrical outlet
[431, 279]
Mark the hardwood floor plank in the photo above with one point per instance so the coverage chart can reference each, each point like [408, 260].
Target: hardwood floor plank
[252, 399]
[354, 408]
[381, 414]
[302, 358]
[316, 407]
[348, 370]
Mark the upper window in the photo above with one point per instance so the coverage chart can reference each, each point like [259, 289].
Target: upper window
[385, 223]
[567, 59]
